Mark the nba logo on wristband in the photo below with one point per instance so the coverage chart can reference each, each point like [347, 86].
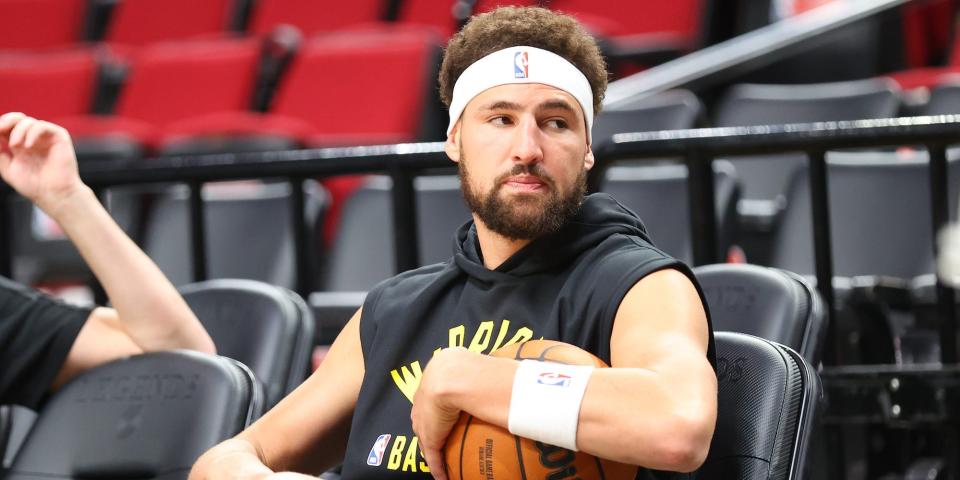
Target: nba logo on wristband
[375, 457]
[554, 379]
[521, 65]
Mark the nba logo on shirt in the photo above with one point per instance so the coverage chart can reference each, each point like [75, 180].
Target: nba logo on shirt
[375, 457]
[554, 379]
[521, 65]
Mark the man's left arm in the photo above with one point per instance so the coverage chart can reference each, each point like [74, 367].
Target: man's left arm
[655, 408]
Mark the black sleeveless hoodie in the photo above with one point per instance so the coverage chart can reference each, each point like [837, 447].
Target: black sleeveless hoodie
[566, 286]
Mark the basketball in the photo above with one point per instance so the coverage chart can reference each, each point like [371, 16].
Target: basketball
[477, 450]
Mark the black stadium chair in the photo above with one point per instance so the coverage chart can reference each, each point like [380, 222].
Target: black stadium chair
[267, 328]
[659, 196]
[15, 424]
[670, 110]
[768, 401]
[773, 304]
[147, 416]
[332, 311]
[363, 250]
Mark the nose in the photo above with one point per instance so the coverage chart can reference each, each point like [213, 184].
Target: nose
[526, 143]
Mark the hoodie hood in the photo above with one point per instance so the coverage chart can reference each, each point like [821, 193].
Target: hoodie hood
[600, 217]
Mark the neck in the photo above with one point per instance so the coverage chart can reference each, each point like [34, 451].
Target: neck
[494, 247]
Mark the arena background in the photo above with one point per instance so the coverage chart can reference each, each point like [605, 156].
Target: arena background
[293, 142]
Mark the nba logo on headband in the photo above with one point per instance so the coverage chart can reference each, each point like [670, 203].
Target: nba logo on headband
[521, 65]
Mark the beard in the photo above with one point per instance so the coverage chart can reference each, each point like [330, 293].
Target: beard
[523, 216]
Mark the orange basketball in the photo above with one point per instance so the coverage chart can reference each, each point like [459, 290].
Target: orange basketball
[477, 450]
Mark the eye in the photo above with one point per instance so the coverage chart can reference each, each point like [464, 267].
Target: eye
[501, 120]
[557, 123]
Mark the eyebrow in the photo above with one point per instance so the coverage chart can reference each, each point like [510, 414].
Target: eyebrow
[513, 106]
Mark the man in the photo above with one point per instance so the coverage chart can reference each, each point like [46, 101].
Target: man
[43, 342]
[537, 261]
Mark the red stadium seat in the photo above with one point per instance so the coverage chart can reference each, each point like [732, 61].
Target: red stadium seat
[173, 81]
[41, 23]
[314, 16]
[486, 5]
[140, 22]
[437, 13]
[48, 85]
[677, 21]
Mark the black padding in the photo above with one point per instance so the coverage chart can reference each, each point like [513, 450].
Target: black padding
[766, 302]
[670, 110]
[332, 311]
[363, 250]
[268, 328]
[15, 423]
[876, 225]
[767, 399]
[765, 177]
[944, 99]
[147, 416]
[659, 195]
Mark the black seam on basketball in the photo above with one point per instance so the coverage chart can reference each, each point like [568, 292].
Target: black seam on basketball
[517, 356]
[599, 468]
[543, 355]
[523, 471]
[463, 442]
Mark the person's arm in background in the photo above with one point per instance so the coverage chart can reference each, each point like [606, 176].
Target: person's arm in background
[37, 159]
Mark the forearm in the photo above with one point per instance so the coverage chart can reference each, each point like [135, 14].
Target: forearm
[234, 458]
[149, 308]
[631, 415]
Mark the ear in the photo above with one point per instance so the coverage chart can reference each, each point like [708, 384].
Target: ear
[588, 159]
[452, 145]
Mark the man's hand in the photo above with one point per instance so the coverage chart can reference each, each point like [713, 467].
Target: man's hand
[433, 414]
[38, 161]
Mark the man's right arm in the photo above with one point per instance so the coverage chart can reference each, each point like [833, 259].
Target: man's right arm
[307, 431]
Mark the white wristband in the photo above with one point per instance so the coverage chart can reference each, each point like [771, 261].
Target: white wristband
[545, 403]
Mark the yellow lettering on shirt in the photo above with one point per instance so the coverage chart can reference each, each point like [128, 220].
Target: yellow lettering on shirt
[396, 452]
[481, 339]
[408, 379]
[457, 335]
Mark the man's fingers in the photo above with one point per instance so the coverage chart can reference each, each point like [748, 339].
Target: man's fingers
[8, 120]
[37, 131]
[435, 461]
[20, 130]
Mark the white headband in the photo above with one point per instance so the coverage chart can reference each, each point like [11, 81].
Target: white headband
[521, 65]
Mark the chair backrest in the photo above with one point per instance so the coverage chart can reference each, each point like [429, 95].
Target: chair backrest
[313, 16]
[248, 231]
[141, 22]
[41, 23]
[332, 311]
[176, 80]
[437, 13]
[765, 177]
[658, 194]
[878, 204]
[15, 423]
[944, 99]
[613, 19]
[147, 416]
[48, 85]
[363, 250]
[267, 328]
[768, 399]
[769, 303]
[670, 110]
[335, 84]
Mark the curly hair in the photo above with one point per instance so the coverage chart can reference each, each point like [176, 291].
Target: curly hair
[531, 26]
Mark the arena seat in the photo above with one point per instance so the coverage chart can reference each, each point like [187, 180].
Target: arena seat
[48, 85]
[659, 196]
[41, 24]
[754, 104]
[15, 423]
[332, 311]
[944, 98]
[440, 14]
[146, 416]
[142, 22]
[365, 236]
[768, 401]
[248, 228]
[869, 224]
[314, 16]
[265, 327]
[769, 303]
[172, 81]
[670, 110]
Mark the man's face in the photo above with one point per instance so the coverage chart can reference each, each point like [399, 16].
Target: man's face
[523, 156]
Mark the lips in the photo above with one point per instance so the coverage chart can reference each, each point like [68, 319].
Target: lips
[525, 183]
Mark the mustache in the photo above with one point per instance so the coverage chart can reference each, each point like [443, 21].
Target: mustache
[536, 170]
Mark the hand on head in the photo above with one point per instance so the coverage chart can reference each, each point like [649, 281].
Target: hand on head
[37, 160]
